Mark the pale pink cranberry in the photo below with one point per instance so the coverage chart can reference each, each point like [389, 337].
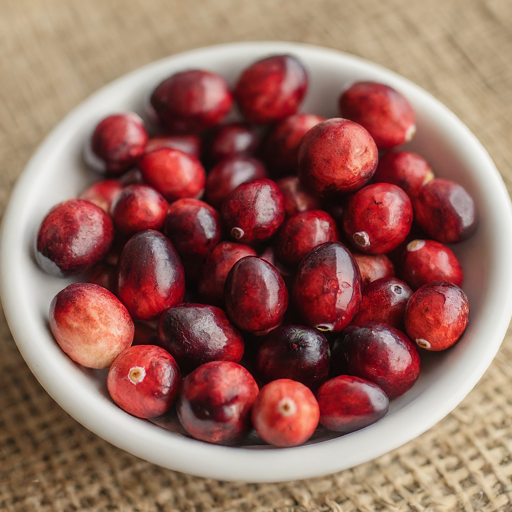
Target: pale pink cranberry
[190, 144]
[232, 139]
[373, 267]
[102, 193]
[296, 197]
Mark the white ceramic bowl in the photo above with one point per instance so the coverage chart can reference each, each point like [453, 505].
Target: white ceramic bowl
[56, 173]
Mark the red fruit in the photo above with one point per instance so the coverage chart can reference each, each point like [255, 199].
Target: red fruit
[144, 381]
[73, 237]
[285, 413]
[102, 193]
[373, 267]
[269, 256]
[271, 89]
[437, 315]
[190, 144]
[233, 139]
[296, 197]
[383, 111]
[104, 274]
[336, 156]
[145, 333]
[90, 324]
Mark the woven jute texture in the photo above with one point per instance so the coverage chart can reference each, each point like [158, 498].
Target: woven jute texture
[54, 53]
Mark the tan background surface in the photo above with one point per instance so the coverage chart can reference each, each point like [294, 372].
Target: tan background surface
[54, 53]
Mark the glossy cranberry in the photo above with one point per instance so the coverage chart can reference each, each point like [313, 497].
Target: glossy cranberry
[285, 413]
[215, 402]
[151, 277]
[327, 287]
[104, 274]
[228, 174]
[296, 197]
[373, 267]
[145, 333]
[192, 101]
[233, 139]
[445, 211]
[377, 218]
[189, 144]
[382, 110]
[302, 233]
[144, 381]
[256, 296]
[73, 237]
[117, 143]
[102, 193]
[90, 324]
[437, 315]
[254, 211]
[269, 255]
[349, 403]
[271, 89]
[336, 156]
[173, 173]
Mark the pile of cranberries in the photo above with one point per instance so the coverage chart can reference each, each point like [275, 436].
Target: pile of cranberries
[243, 274]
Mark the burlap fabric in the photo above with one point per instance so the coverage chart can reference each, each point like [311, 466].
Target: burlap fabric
[54, 53]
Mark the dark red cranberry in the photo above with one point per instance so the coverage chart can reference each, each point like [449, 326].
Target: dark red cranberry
[349, 403]
[144, 381]
[233, 139]
[151, 277]
[256, 296]
[382, 110]
[145, 333]
[104, 274]
[336, 156]
[192, 101]
[254, 211]
[327, 287]
[296, 197]
[73, 237]
[102, 193]
[215, 402]
[445, 211]
[269, 255]
[190, 144]
[132, 177]
[437, 315]
[271, 89]
[377, 218]
[373, 267]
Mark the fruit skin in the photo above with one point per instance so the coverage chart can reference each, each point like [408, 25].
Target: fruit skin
[437, 315]
[151, 276]
[349, 403]
[383, 111]
[102, 193]
[215, 401]
[271, 89]
[190, 144]
[336, 156]
[232, 139]
[373, 267]
[73, 237]
[105, 275]
[90, 324]
[144, 381]
[285, 413]
[296, 197]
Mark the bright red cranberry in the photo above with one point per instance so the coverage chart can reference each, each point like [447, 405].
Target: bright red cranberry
[302, 233]
[151, 277]
[104, 274]
[382, 110]
[336, 156]
[378, 218]
[256, 296]
[437, 315]
[228, 174]
[192, 101]
[373, 267]
[117, 143]
[254, 211]
[215, 402]
[296, 197]
[285, 413]
[349, 403]
[145, 333]
[73, 237]
[190, 144]
[144, 381]
[445, 211]
[173, 173]
[271, 89]
[327, 287]
[233, 139]
[102, 193]
[90, 324]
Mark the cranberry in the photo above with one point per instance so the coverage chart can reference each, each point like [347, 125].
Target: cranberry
[378, 218]
[373, 267]
[104, 274]
[269, 255]
[327, 287]
[271, 89]
[302, 233]
[254, 211]
[73, 237]
[445, 211]
[336, 156]
[151, 277]
[145, 334]
[256, 296]
[117, 143]
[192, 101]
[349, 403]
[215, 402]
[190, 144]
[382, 110]
[233, 139]
[90, 324]
[144, 381]
[102, 193]
[437, 315]
[131, 177]
[285, 413]
[296, 197]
